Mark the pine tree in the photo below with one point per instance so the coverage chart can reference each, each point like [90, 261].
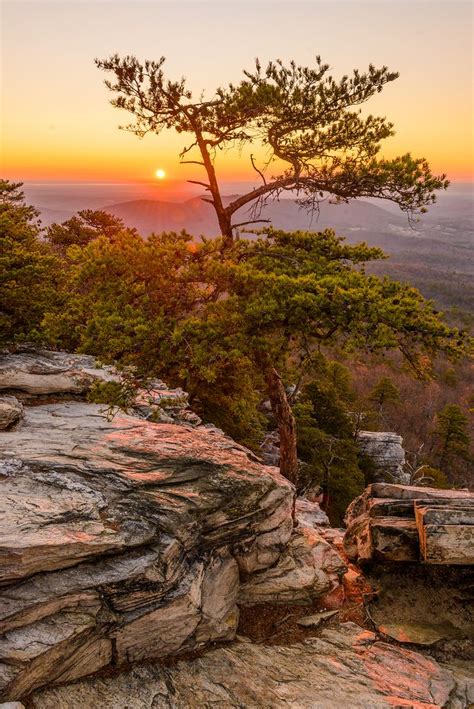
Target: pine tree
[28, 272]
[384, 392]
[452, 433]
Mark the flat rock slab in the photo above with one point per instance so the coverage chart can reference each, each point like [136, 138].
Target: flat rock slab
[447, 544]
[346, 666]
[415, 633]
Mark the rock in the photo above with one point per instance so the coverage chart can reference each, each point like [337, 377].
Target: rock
[446, 532]
[307, 569]
[345, 666]
[31, 373]
[310, 514]
[38, 372]
[386, 452]
[312, 621]
[414, 633]
[447, 544]
[11, 411]
[270, 448]
[382, 539]
[124, 534]
[402, 523]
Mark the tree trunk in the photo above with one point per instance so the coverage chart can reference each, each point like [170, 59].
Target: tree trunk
[286, 425]
[223, 217]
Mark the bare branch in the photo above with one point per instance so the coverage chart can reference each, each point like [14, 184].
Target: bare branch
[257, 170]
[197, 182]
[251, 221]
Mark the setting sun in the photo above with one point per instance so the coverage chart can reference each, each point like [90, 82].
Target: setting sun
[160, 174]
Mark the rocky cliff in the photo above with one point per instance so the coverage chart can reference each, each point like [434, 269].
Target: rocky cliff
[124, 539]
[142, 536]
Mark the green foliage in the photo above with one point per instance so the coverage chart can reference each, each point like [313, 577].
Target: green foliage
[453, 436]
[115, 394]
[28, 269]
[326, 444]
[83, 228]
[450, 377]
[211, 320]
[329, 458]
[385, 392]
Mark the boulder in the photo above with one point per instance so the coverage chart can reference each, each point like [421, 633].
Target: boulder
[309, 568]
[122, 540]
[403, 523]
[310, 514]
[11, 411]
[345, 666]
[386, 452]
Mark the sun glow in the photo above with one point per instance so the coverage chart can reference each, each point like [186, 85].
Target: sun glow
[160, 174]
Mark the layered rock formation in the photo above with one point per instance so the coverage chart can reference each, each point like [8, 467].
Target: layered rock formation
[125, 539]
[386, 453]
[36, 375]
[402, 523]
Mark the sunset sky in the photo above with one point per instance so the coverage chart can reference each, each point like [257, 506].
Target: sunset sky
[58, 124]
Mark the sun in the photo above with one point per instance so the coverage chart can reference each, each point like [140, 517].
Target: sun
[160, 174]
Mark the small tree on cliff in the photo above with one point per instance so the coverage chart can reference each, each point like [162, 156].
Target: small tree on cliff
[309, 124]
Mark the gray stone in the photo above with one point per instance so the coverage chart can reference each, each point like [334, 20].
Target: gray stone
[387, 454]
[34, 373]
[313, 621]
[43, 372]
[405, 523]
[128, 532]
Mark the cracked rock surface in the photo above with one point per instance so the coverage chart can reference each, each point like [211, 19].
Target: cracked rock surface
[345, 666]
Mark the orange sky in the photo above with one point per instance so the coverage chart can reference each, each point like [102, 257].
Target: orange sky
[57, 123]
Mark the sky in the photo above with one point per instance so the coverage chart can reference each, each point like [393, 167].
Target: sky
[57, 123]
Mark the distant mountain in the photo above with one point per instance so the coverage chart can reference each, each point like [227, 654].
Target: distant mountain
[198, 217]
[147, 216]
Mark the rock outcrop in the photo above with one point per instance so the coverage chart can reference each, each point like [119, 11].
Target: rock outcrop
[345, 666]
[386, 453]
[124, 539]
[31, 374]
[402, 523]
